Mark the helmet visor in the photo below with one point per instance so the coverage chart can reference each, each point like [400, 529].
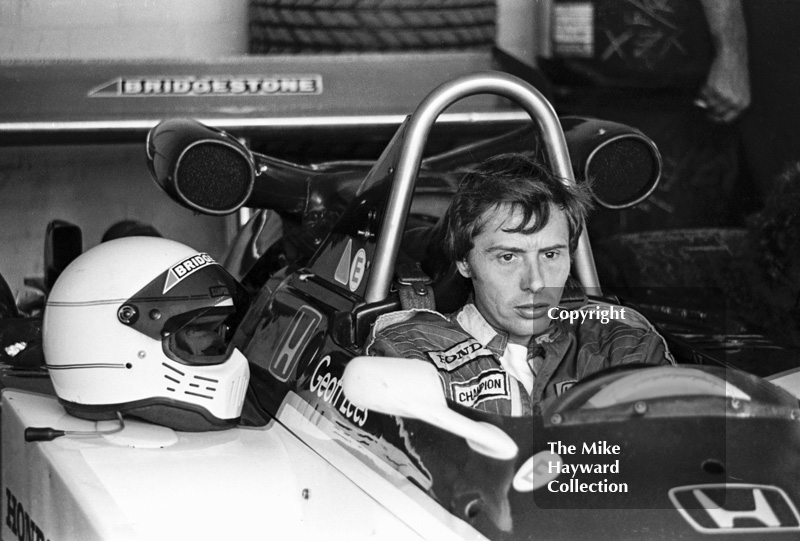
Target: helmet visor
[202, 340]
[194, 311]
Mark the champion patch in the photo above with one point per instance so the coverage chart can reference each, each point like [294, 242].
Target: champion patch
[457, 355]
[185, 268]
[487, 386]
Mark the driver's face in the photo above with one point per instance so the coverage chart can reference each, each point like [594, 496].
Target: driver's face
[517, 277]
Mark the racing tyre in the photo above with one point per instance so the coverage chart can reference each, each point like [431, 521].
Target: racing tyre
[334, 26]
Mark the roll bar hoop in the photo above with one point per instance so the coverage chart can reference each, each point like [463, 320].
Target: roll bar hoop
[408, 163]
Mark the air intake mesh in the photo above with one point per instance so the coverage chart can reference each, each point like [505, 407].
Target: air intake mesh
[622, 170]
[214, 176]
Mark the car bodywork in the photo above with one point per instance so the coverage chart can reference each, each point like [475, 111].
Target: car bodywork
[682, 438]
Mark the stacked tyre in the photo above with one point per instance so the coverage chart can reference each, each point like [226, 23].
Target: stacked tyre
[351, 26]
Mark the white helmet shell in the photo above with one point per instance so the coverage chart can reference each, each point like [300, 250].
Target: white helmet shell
[139, 325]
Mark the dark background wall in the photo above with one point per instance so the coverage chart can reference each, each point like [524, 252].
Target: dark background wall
[93, 187]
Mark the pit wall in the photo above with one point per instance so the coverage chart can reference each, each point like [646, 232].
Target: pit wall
[93, 187]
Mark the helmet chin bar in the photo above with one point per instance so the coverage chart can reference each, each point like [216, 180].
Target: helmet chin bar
[193, 409]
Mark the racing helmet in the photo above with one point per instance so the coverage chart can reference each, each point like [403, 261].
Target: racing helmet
[143, 326]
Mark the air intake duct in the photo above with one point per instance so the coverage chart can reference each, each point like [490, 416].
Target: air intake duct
[623, 164]
[203, 168]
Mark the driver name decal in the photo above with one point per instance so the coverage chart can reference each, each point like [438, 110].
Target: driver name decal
[185, 268]
[458, 355]
[329, 388]
[489, 385]
[213, 85]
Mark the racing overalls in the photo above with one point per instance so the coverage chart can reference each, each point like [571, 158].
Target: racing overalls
[472, 357]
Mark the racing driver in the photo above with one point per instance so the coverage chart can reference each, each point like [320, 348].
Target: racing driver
[511, 229]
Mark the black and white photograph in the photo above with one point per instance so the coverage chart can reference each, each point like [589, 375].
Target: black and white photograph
[433, 270]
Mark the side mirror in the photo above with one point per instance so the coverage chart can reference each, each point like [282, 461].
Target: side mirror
[623, 164]
[411, 388]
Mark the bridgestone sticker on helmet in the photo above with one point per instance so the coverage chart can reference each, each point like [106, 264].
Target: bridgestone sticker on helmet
[185, 268]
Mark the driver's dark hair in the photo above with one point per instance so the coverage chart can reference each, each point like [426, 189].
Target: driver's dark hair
[521, 182]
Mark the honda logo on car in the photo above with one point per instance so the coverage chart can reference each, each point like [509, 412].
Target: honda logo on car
[736, 508]
[19, 521]
[329, 388]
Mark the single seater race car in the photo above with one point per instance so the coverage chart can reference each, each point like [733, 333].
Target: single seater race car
[332, 444]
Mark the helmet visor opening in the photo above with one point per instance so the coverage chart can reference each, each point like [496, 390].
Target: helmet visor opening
[201, 340]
